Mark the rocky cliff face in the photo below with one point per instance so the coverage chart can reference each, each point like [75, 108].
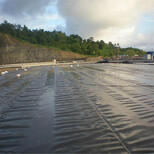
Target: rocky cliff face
[14, 51]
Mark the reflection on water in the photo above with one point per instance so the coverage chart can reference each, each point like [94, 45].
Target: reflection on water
[87, 109]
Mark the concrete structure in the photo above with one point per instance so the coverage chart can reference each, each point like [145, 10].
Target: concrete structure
[150, 55]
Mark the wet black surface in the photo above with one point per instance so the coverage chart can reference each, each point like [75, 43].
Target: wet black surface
[88, 109]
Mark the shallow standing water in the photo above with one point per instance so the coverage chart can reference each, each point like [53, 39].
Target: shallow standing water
[88, 109]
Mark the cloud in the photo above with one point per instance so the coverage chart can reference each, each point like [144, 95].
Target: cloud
[123, 21]
[110, 20]
[32, 13]
[19, 8]
[47, 22]
[144, 41]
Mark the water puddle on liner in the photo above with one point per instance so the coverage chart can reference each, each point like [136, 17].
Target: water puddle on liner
[39, 137]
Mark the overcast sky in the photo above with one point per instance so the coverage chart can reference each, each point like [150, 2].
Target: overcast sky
[129, 22]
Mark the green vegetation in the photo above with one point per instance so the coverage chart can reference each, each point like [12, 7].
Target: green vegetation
[131, 52]
[60, 40]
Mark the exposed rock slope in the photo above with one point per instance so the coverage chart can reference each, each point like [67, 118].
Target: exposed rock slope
[15, 51]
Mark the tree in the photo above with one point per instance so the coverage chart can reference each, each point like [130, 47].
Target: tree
[60, 40]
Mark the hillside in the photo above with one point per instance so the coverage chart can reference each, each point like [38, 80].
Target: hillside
[15, 51]
[73, 42]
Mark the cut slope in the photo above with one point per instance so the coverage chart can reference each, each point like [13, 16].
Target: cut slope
[15, 51]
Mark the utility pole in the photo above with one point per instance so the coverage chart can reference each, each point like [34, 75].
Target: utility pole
[115, 49]
[118, 48]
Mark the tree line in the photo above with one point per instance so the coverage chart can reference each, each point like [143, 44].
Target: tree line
[60, 40]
